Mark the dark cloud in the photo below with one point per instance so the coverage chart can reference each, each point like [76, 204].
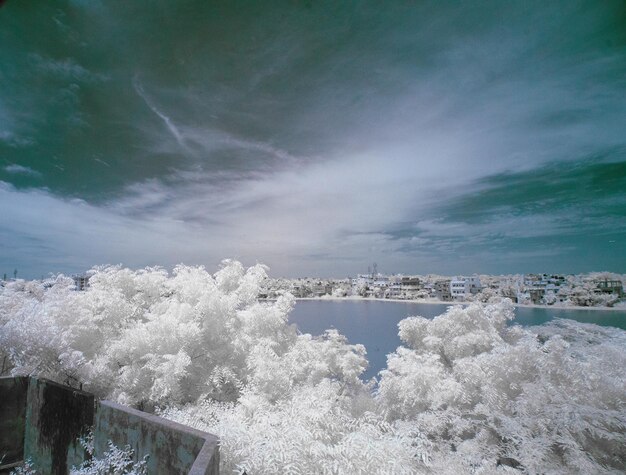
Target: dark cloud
[590, 187]
[565, 214]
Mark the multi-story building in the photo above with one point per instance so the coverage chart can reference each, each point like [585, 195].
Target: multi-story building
[442, 290]
[410, 286]
[610, 287]
[459, 288]
[462, 287]
[81, 281]
[537, 288]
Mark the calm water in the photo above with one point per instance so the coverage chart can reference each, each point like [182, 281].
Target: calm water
[375, 324]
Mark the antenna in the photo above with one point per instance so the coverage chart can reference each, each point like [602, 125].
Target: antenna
[375, 269]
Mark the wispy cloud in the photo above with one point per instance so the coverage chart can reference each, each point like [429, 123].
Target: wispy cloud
[65, 68]
[166, 120]
[21, 170]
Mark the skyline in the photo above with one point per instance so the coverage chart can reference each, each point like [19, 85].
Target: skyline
[314, 137]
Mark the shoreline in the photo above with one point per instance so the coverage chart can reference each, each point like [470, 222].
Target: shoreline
[439, 302]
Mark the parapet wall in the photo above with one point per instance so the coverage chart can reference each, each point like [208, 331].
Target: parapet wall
[56, 416]
[41, 420]
[178, 447]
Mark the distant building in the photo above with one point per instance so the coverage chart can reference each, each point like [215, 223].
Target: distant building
[399, 287]
[458, 289]
[550, 281]
[536, 295]
[381, 282]
[81, 281]
[442, 290]
[429, 289]
[363, 279]
[320, 288]
[462, 287]
[410, 286]
[362, 285]
[540, 288]
[610, 287]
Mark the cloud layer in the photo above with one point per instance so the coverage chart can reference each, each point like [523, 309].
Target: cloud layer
[315, 138]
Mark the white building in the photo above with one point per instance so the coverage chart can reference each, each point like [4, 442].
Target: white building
[461, 287]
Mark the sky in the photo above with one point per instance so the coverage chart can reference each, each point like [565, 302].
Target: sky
[316, 137]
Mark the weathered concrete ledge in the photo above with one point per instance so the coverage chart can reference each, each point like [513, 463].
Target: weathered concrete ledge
[41, 420]
[177, 445]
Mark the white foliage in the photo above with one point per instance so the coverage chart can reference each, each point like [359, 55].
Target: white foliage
[549, 398]
[318, 429]
[114, 461]
[27, 468]
[469, 393]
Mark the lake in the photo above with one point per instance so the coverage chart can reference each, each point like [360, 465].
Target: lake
[375, 324]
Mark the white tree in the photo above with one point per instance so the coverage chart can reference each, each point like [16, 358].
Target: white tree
[470, 393]
[546, 399]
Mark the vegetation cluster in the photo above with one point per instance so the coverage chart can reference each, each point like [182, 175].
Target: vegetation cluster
[468, 392]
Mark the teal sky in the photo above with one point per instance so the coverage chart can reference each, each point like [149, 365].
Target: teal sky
[315, 137]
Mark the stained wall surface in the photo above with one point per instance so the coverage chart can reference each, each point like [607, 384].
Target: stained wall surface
[13, 393]
[41, 420]
[56, 416]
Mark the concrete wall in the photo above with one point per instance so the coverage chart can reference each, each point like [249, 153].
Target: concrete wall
[13, 393]
[41, 420]
[56, 416]
[173, 448]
